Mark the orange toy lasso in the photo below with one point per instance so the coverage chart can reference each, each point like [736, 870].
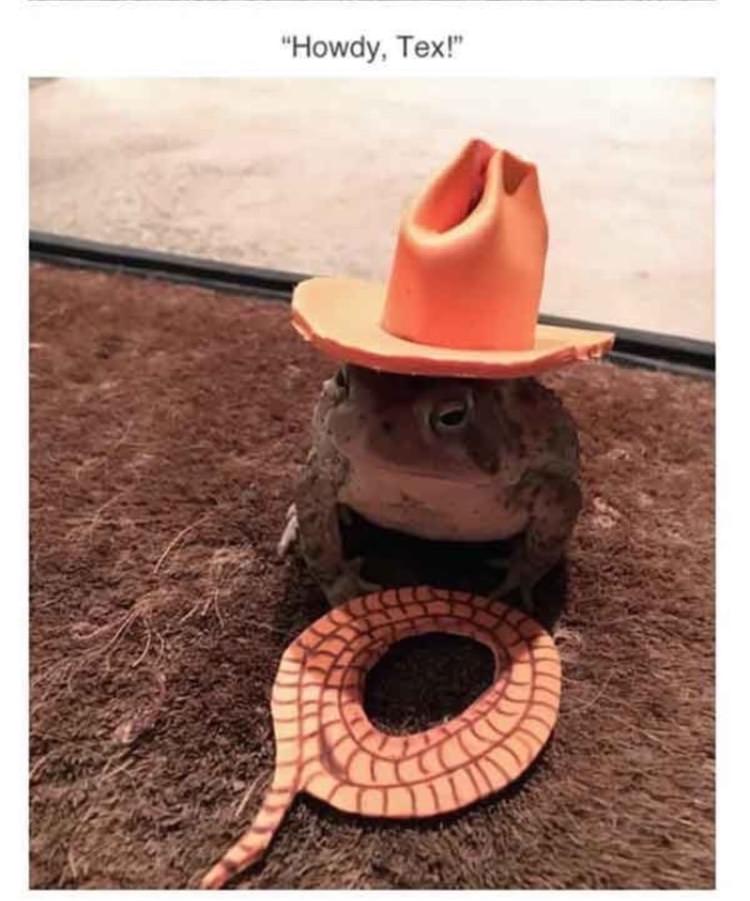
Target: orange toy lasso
[326, 745]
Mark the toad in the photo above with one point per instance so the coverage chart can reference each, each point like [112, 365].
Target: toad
[447, 459]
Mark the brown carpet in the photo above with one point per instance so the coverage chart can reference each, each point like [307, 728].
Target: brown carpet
[167, 425]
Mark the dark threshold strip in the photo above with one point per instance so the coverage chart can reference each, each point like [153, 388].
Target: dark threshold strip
[633, 347]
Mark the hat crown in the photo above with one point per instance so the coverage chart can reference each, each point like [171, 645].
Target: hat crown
[469, 262]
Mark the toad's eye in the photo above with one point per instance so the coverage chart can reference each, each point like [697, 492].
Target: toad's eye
[449, 416]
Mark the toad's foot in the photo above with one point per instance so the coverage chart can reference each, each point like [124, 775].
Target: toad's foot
[349, 583]
[290, 533]
[521, 575]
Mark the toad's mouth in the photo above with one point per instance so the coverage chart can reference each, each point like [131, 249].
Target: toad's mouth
[396, 471]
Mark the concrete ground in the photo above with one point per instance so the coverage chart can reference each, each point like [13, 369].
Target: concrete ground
[311, 175]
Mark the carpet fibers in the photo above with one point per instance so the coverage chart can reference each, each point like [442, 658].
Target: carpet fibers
[168, 424]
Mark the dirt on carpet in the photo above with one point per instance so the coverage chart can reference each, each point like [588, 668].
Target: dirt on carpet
[168, 424]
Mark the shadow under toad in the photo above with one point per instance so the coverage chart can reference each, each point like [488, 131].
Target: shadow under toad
[395, 559]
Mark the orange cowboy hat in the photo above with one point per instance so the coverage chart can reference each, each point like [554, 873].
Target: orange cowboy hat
[464, 288]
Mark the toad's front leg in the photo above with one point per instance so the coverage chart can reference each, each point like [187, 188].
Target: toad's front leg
[553, 504]
[318, 516]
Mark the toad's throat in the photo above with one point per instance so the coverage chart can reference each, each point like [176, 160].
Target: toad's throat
[435, 508]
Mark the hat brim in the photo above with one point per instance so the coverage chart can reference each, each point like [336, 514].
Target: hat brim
[341, 317]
